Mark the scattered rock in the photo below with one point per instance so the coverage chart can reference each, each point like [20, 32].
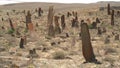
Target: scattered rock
[107, 40]
[117, 37]
[32, 53]
[59, 55]
[14, 66]
[2, 49]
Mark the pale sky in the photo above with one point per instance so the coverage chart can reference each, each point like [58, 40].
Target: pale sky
[55, 1]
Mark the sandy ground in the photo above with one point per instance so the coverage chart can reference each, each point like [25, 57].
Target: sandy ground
[70, 48]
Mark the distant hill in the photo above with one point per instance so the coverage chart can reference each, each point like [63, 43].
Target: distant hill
[31, 5]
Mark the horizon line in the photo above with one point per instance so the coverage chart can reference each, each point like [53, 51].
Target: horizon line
[17, 2]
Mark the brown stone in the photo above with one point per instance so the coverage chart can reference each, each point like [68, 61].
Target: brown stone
[108, 9]
[99, 31]
[87, 48]
[40, 11]
[57, 27]
[112, 18]
[11, 24]
[30, 26]
[51, 31]
[63, 22]
[28, 19]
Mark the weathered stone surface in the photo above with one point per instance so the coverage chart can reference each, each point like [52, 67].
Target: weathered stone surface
[87, 49]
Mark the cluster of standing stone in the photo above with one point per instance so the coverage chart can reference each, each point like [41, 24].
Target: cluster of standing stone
[56, 27]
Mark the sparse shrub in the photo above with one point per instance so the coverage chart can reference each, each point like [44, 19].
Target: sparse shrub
[110, 27]
[26, 30]
[110, 50]
[31, 66]
[10, 31]
[14, 66]
[59, 55]
[109, 59]
[90, 26]
[14, 10]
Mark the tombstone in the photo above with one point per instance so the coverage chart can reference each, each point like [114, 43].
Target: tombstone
[104, 30]
[73, 13]
[8, 13]
[23, 12]
[36, 24]
[82, 21]
[3, 27]
[76, 18]
[22, 43]
[17, 32]
[51, 31]
[67, 35]
[30, 26]
[97, 20]
[28, 19]
[68, 14]
[108, 9]
[80, 35]
[74, 23]
[11, 24]
[63, 22]
[107, 40]
[118, 13]
[25, 40]
[40, 12]
[117, 37]
[34, 51]
[99, 31]
[87, 48]
[76, 14]
[101, 9]
[45, 49]
[2, 19]
[33, 54]
[52, 44]
[94, 25]
[112, 18]
[57, 27]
